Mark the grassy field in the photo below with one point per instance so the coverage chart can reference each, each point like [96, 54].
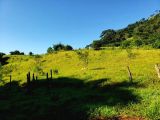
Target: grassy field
[79, 91]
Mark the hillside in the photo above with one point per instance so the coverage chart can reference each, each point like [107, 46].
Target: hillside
[97, 90]
[145, 32]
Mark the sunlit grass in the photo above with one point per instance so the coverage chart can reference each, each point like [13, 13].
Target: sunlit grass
[110, 64]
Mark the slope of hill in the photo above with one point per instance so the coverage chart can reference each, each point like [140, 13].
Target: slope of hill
[97, 90]
[142, 33]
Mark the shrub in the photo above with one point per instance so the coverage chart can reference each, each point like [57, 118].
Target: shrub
[130, 53]
[126, 44]
[157, 44]
[137, 42]
[84, 57]
[38, 66]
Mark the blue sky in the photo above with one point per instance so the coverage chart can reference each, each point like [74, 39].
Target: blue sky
[34, 25]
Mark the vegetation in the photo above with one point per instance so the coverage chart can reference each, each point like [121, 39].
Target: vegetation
[142, 33]
[116, 83]
[101, 91]
[31, 53]
[1, 55]
[59, 47]
[0, 72]
[3, 58]
[84, 57]
[16, 52]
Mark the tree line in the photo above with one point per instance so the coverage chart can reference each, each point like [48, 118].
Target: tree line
[56, 47]
[59, 47]
[145, 32]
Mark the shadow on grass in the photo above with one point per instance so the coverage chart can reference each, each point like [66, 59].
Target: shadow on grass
[4, 60]
[61, 98]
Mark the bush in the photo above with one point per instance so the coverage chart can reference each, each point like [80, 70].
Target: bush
[38, 65]
[130, 54]
[84, 57]
[157, 44]
[137, 42]
[126, 44]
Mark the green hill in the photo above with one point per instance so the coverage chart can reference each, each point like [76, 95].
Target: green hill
[91, 86]
[145, 32]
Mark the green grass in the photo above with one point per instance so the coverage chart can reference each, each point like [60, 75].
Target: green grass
[102, 90]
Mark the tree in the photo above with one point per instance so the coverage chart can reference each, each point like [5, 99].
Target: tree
[22, 53]
[96, 45]
[88, 46]
[157, 44]
[126, 44]
[68, 47]
[58, 47]
[107, 33]
[137, 42]
[50, 50]
[144, 30]
[1, 55]
[16, 52]
[30, 53]
[108, 36]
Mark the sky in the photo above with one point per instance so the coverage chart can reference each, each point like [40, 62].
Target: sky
[35, 25]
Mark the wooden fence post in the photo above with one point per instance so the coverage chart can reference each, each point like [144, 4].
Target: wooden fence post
[51, 73]
[157, 67]
[33, 77]
[10, 81]
[130, 74]
[29, 78]
[28, 82]
[48, 86]
[47, 76]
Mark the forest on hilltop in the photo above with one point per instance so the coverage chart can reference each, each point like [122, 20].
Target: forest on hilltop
[145, 32]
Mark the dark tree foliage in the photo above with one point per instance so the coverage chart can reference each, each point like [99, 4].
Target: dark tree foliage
[31, 53]
[68, 47]
[59, 47]
[96, 45]
[3, 59]
[50, 50]
[141, 33]
[1, 54]
[16, 52]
